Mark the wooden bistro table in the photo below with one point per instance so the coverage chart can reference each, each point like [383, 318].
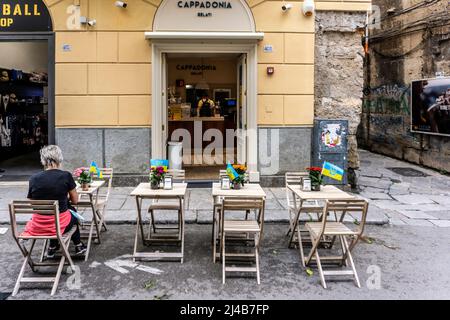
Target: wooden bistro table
[143, 191]
[327, 192]
[90, 199]
[252, 190]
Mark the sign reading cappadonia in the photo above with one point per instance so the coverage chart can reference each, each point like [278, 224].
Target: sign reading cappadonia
[205, 4]
[24, 16]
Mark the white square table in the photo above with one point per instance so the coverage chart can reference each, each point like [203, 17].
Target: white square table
[143, 191]
[252, 190]
[97, 218]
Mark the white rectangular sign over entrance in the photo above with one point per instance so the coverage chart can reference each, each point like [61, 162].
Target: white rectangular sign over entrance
[207, 15]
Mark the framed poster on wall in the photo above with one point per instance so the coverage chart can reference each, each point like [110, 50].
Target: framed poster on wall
[430, 106]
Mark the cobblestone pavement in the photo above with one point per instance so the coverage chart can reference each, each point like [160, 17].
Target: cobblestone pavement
[404, 200]
[395, 199]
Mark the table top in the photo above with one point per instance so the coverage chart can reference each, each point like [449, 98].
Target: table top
[144, 190]
[94, 186]
[248, 190]
[326, 193]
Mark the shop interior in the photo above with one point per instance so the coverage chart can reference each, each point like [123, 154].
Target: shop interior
[202, 95]
[23, 107]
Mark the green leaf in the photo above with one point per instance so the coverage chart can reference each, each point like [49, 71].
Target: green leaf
[309, 272]
[367, 240]
[150, 284]
[356, 222]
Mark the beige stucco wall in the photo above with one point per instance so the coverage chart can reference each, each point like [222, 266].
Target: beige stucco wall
[105, 80]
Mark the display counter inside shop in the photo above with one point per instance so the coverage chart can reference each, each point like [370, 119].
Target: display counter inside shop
[199, 124]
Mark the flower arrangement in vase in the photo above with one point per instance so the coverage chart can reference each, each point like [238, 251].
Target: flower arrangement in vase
[239, 180]
[156, 176]
[315, 174]
[84, 178]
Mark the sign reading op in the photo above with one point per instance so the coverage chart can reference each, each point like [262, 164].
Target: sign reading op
[187, 15]
[24, 16]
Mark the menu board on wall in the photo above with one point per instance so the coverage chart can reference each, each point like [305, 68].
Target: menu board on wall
[24, 16]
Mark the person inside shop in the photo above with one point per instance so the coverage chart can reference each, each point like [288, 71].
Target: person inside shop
[54, 184]
[205, 107]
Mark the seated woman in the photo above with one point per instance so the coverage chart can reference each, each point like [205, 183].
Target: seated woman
[54, 184]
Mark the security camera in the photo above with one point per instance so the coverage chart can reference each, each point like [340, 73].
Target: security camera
[83, 20]
[308, 8]
[286, 7]
[86, 20]
[121, 4]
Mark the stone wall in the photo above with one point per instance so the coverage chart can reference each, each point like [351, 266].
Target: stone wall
[395, 60]
[339, 71]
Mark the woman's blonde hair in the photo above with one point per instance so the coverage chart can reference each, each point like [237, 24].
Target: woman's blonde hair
[51, 155]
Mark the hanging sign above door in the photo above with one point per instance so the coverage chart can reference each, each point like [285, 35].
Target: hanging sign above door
[24, 16]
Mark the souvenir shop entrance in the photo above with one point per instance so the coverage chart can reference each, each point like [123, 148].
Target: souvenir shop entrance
[27, 68]
[26, 103]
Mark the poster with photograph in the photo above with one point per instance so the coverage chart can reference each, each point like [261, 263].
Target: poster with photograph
[430, 106]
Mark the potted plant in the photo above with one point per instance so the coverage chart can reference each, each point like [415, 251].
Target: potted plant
[84, 178]
[239, 181]
[315, 174]
[156, 176]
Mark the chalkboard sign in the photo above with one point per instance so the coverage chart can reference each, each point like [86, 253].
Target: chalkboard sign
[24, 16]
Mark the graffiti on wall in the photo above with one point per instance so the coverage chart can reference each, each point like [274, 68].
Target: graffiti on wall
[387, 99]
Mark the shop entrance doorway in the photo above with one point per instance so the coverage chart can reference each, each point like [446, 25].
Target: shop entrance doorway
[206, 111]
[223, 76]
[26, 103]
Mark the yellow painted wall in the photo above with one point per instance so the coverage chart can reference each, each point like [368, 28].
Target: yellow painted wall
[105, 78]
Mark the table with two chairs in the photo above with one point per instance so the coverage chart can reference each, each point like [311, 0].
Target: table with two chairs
[93, 200]
[318, 219]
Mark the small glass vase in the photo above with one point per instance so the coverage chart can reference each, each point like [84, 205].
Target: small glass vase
[315, 187]
[154, 184]
[85, 186]
[236, 185]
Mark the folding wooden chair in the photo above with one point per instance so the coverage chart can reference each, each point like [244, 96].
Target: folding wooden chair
[102, 198]
[337, 229]
[47, 208]
[218, 202]
[293, 204]
[252, 229]
[216, 214]
[293, 179]
[167, 205]
[104, 193]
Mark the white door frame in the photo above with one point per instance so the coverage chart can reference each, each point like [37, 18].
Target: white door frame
[163, 46]
[241, 101]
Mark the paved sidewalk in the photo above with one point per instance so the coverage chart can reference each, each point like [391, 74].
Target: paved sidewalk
[395, 199]
[405, 200]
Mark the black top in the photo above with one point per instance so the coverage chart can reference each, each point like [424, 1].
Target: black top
[52, 185]
[205, 110]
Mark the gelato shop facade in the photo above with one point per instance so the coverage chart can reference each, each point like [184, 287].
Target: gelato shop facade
[223, 81]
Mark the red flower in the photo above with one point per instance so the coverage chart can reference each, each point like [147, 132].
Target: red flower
[314, 169]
